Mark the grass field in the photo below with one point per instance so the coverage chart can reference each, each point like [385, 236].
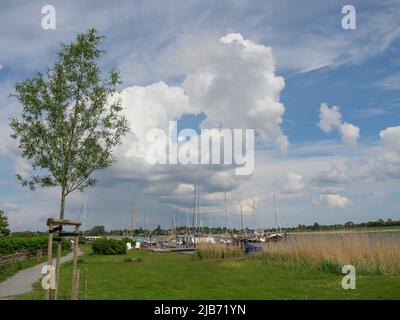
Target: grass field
[146, 275]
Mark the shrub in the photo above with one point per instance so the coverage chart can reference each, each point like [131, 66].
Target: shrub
[30, 244]
[108, 246]
[82, 240]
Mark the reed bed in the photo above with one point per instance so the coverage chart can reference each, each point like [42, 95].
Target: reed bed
[217, 251]
[378, 254]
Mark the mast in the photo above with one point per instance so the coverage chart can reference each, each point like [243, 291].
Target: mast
[241, 217]
[199, 219]
[133, 216]
[254, 216]
[145, 222]
[187, 221]
[226, 216]
[84, 218]
[210, 226]
[277, 225]
[150, 228]
[194, 206]
[174, 223]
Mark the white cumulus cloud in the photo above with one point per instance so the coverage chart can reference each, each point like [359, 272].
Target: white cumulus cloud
[332, 200]
[391, 137]
[294, 183]
[349, 133]
[240, 89]
[236, 89]
[331, 119]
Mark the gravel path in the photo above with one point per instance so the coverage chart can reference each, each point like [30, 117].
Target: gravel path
[22, 281]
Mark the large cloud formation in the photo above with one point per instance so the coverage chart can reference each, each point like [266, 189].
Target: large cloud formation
[235, 89]
[240, 89]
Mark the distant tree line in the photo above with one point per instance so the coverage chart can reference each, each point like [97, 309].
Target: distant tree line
[100, 230]
[182, 230]
[347, 225]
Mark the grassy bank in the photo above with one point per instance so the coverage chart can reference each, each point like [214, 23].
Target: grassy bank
[146, 275]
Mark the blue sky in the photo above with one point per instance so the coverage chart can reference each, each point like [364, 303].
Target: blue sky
[318, 178]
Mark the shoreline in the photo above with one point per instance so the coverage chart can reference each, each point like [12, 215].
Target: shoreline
[377, 230]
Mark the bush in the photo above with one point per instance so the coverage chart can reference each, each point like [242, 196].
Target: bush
[30, 244]
[108, 246]
[82, 240]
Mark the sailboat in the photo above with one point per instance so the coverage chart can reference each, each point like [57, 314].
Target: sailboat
[275, 236]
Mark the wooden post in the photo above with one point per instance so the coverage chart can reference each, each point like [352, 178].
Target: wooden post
[49, 259]
[75, 264]
[85, 293]
[39, 254]
[77, 285]
[51, 222]
[58, 266]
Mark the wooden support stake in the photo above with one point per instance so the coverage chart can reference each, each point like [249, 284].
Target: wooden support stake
[74, 265]
[49, 261]
[39, 254]
[85, 293]
[77, 285]
[58, 266]
[60, 222]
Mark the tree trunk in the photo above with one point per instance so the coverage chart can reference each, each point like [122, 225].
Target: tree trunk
[58, 263]
[62, 208]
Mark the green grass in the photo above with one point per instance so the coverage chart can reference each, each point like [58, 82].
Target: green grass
[146, 275]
